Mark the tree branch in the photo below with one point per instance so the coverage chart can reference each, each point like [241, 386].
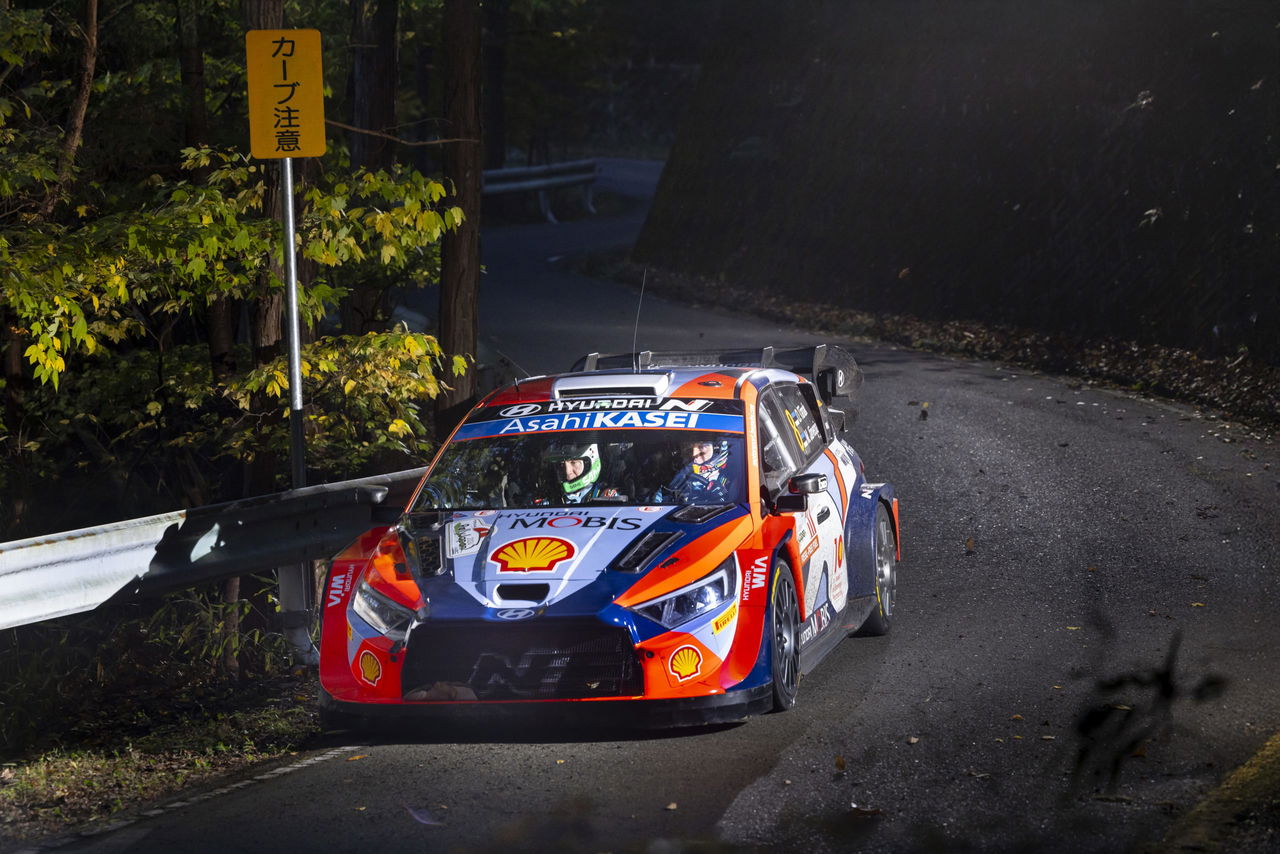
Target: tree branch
[396, 138]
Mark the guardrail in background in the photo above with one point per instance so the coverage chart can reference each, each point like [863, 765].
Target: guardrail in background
[60, 574]
[572, 173]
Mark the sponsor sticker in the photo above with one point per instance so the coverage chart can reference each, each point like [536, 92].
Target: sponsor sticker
[817, 621]
[521, 410]
[465, 536]
[610, 420]
[722, 622]
[685, 663]
[370, 667]
[757, 576]
[532, 554]
[560, 520]
[338, 587]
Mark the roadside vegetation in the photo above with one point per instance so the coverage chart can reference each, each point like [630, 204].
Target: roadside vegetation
[142, 351]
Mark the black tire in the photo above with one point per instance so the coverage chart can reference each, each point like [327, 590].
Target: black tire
[884, 557]
[784, 642]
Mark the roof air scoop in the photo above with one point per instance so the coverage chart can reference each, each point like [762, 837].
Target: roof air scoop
[612, 385]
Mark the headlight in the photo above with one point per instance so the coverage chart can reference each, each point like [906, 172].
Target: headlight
[705, 594]
[389, 618]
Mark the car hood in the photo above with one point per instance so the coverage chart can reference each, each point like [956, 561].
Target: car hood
[538, 558]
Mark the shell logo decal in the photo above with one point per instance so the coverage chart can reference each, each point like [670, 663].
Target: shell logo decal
[685, 663]
[370, 667]
[532, 554]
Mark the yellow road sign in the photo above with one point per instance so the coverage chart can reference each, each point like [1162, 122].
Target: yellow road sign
[286, 93]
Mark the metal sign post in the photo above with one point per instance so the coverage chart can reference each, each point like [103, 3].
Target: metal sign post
[286, 120]
[297, 447]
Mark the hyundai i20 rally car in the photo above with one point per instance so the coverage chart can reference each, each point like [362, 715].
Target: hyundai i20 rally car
[680, 534]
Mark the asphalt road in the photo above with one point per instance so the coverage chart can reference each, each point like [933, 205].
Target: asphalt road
[1085, 643]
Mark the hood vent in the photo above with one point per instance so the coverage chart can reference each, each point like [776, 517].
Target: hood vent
[612, 385]
[699, 513]
[531, 593]
[642, 548]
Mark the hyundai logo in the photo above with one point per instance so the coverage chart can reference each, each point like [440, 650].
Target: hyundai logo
[520, 409]
[516, 613]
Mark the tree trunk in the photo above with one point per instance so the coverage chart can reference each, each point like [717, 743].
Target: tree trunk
[374, 80]
[460, 249]
[372, 86]
[191, 63]
[220, 316]
[495, 74]
[79, 108]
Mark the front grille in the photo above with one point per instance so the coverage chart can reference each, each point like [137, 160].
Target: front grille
[543, 659]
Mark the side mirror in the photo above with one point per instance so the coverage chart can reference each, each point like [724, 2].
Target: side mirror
[807, 484]
[797, 503]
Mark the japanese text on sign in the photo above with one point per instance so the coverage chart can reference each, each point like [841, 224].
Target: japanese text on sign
[286, 93]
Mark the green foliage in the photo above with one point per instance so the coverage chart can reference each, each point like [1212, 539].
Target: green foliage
[128, 663]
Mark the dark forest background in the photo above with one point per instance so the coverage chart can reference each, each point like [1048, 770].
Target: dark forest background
[1090, 168]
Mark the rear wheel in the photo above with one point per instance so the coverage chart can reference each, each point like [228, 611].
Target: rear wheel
[784, 656]
[885, 556]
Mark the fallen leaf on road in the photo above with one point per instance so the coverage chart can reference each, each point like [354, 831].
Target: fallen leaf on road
[357, 756]
[422, 816]
[968, 546]
[840, 763]
[559, 761]
[672, 806]
[863, 812]
[1016, 718]
[1073, 628]
[1047, 738]
[912, 739]
[361, 809]
[1197, 604]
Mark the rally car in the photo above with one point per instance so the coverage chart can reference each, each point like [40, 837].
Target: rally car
[679, 534]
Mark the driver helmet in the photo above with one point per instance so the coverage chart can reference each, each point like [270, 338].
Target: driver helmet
[708, 469]
[574, 483]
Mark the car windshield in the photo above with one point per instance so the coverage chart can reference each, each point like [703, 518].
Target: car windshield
[601, 467]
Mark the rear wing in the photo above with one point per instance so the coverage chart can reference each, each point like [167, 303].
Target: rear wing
[831, 368]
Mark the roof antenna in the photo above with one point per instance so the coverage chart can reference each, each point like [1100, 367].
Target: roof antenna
[635, 334]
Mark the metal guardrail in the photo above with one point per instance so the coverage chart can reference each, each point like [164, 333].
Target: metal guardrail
[52, 576]
[572, 173]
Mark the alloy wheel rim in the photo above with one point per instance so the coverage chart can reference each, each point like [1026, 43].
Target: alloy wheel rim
[885, 575]
[785, 634]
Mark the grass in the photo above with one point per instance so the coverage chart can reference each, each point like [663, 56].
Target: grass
[113, 768]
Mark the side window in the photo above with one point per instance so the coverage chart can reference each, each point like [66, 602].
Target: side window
[801, 421]
[777, 456]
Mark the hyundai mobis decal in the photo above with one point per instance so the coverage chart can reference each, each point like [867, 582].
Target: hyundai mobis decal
[563, 548]
[604, 414]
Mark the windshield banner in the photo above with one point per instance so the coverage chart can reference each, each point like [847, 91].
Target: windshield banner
[625, 420]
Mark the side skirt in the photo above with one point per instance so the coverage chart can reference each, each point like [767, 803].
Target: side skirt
[812, 653]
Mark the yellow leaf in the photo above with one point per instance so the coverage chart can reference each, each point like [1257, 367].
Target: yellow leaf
[1197, 604]
[347, 386]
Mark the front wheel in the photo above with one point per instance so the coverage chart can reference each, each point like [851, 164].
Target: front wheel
[784, 658]
[880, 620]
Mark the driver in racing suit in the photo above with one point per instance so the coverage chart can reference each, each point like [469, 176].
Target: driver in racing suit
[703, 478]
[577, 468]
